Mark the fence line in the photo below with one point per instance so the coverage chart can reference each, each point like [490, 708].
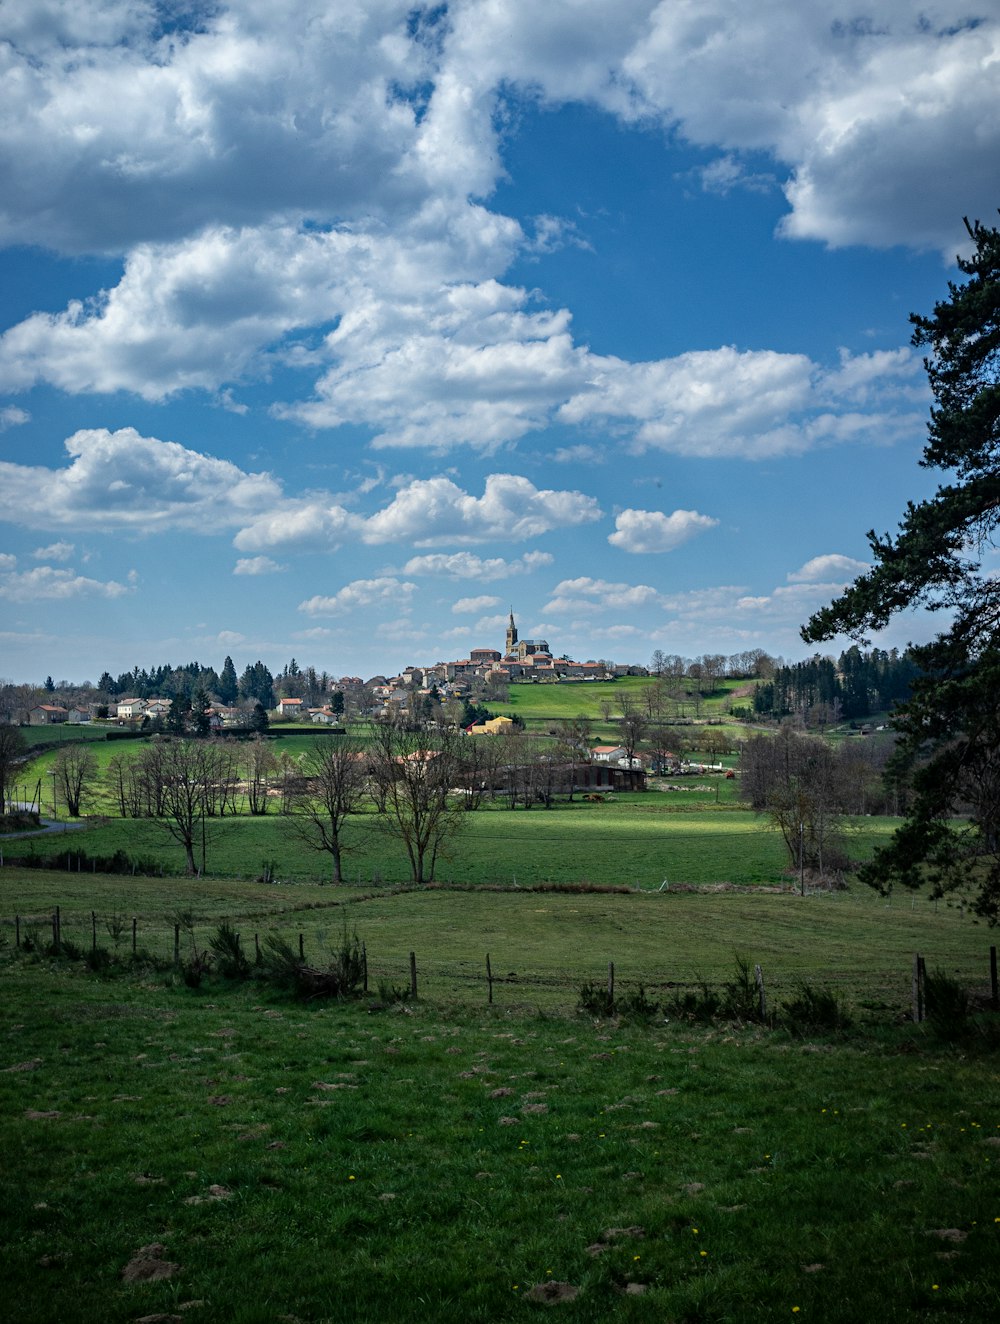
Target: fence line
[438, 970]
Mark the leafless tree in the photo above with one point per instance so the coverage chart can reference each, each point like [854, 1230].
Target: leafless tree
[633, 724]
[331, 790]
[259, 767]
[124, 777]
[178, 777]
[414, 776]
[75, 769]
[12, 748]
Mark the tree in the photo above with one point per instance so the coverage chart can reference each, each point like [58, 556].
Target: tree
[950, 726]
[75, 768]
[413, 778]
[228, 684]
[12, 747]
[180, 775]
[259, 767]
[794, 779]
[330, 792]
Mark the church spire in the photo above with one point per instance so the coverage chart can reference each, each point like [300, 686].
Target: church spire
[511, 643]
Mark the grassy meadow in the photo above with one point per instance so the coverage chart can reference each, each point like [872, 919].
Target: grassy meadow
[227, 1153]
[540, 706]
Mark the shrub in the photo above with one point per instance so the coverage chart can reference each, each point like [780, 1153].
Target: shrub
[595, 1000]
[341, 977]
[814, 1009]
[230, 957]
[947, 1005]
[700, 1005]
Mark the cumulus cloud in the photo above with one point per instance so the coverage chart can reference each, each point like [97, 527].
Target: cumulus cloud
[436, 510]
[122, 480]
[246, 218]
[7, 561]
[830, 569]
[590, 595]
[257, 565]
[56, 551]
[466, 565]
[11, 417]
[752, 403]
[384, 591]
[469, 606]
[48, 583]
[653, 531]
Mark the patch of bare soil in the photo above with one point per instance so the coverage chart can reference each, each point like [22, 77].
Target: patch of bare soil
[147, 1265]
[33, 1065]
[552, 1293]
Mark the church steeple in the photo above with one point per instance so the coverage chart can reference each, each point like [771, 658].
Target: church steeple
[511, 643]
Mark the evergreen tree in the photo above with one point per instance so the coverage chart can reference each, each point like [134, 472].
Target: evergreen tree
[228, 687]
[950, 726]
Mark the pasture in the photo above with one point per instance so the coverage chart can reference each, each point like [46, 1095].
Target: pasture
[228, 1153]
[541, 706]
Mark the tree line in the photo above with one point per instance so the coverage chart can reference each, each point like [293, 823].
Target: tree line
[821, 691]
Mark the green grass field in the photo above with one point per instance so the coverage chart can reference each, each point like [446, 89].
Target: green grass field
[540, 706]
[228, 1154]
[634, 840]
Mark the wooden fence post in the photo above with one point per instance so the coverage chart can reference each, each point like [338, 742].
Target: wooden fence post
[489, 980]
[364, 968]
[413, 975]
[135, 929]
[256, 947]
[994, 995]
[93, 930]
[758, 975]
[177, 944]
[302, 947]
[611, 984]
[17, 931]
[918, 988]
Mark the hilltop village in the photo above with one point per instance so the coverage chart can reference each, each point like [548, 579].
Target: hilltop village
[303, 694]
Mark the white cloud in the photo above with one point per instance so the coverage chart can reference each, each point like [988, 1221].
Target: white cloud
[587, 595]
[47, 583]
[385, 591]
[752, 404]
[11, 417]
[7, 561]
[257, 565]
[436, 510]
[830, 569]
[121, 480]
[469, 606]
[653, 531]
[57, 551]
[466, 565]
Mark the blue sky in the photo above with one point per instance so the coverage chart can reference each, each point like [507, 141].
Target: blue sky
[332, 330]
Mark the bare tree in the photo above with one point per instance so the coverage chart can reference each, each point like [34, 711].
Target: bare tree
[75, 769]
[12, 749]
[633, 725]
[259, 767]
[413, 776]
[330, 792]
[796, 781]
[178, 780]
[124, 776]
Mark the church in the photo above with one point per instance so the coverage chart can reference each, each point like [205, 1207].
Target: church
[516, 650]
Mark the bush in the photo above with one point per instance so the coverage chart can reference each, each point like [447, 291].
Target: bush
[946, 1005]
[229, 954]
[814, 1009]
[702, 1005]
[341, 977]
[596, 1001]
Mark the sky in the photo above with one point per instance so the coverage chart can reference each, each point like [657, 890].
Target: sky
[334, 330]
